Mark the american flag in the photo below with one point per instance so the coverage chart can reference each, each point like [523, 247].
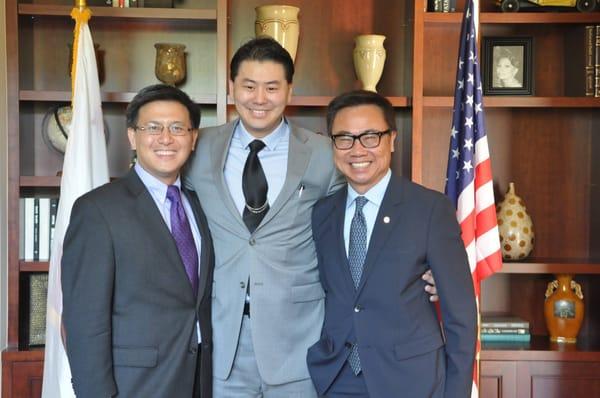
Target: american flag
[469, 181]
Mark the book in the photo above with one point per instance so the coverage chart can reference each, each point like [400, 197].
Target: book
[579, 61]
[503, 321]
[597, 63]
[505, 330]
[53, 211]
[486, 337]
[28, 228]
[21, 228]
[36, 229]
[44, 229]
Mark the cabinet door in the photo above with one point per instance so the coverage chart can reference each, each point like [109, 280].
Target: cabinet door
[498, 379]
[554, 379]
[22, 379]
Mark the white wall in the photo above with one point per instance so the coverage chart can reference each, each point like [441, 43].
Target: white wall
[3, 185]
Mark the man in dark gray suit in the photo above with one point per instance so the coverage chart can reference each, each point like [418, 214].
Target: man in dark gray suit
[137, 267]
[374, 239]
[258, 178]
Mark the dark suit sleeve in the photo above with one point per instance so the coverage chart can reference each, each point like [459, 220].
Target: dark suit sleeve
[87, 282]
[448, 261]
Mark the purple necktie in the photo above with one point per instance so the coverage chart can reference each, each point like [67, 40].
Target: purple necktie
[182, 233]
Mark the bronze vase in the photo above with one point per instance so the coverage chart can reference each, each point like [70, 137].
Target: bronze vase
[563, 309]
[170, 63]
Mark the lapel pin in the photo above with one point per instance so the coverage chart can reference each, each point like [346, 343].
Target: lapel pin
[386, 220]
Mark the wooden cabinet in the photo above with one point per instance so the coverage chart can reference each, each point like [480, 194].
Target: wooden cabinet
[548, 145]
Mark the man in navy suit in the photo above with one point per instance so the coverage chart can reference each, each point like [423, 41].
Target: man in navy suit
[375, 238]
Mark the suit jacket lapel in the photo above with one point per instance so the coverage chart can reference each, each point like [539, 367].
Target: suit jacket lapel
[156, 227]
[298, 157]
[219, 151]
[382, 230]
[338, 215]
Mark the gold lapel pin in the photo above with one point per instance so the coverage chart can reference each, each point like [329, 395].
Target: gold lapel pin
[386, 220]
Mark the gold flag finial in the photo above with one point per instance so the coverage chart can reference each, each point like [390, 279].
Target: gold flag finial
[81, 4]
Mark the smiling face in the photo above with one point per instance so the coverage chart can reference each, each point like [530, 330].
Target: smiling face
[363, 167]
[162, 155]
[505, 69]
[261, 93]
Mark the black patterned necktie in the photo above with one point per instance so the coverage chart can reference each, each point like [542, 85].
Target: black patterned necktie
[255, 187]
[184, 239]
[357, 252]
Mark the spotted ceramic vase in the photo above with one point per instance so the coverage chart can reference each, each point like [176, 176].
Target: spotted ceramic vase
[515, 226]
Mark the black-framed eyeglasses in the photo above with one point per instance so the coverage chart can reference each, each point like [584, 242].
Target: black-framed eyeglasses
[368, 139]
[157, 129]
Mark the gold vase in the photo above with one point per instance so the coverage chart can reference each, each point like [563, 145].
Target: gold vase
[515, 227]
[369, 58]
[280, 23]
[563, 309]
[170, 63]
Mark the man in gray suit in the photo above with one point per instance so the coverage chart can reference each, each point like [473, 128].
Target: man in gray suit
[137, 267]
[258, 178]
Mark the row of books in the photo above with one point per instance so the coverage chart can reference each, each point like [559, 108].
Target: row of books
[37, 219]
[501, 329]
[140, 3]
[441, 5]
[582, 61]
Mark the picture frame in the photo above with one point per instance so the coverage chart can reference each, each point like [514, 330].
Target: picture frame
[508, 66]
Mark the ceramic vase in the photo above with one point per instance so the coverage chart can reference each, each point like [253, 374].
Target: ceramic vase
[280, 23]
[369, 58]
[563, 309]
[170, 63]
[515, 227]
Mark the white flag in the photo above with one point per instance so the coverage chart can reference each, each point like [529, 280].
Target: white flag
[85, 167]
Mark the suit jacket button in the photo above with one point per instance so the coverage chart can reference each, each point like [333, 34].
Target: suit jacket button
[193, 350]
[348, 344]
[252, 242]
[242, 285]
[358, 308]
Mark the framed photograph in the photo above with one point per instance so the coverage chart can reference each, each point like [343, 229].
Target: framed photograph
[507, 66]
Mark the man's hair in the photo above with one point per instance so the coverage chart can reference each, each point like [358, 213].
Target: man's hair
[161, 92]
[262, 49]
[360, 97]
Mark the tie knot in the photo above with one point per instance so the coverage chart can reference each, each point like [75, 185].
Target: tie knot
[256, 146]
[173, 194]
[361, 201]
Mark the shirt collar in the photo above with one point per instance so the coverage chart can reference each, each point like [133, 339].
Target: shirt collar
[374, 195]
[156, 187]
[271, 140]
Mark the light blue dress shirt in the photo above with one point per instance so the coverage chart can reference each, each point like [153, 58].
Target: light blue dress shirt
[273, 159]
[375, 197]
[158, 191]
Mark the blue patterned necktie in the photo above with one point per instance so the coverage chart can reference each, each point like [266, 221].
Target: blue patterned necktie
[357, 252]
[182, 233]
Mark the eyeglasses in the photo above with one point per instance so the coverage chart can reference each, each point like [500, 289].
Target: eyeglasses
[177, 129]
[368, 139]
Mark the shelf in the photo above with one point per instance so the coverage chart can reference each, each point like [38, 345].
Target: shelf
[538, 266]
[115, 12]
[39, 181]
[515, 17]
[33, 266]
[115, 97]
[541, 349]
[520, 102]
[323, 101]
[539, 17]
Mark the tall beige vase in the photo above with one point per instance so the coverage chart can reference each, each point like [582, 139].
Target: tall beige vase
[515, 226]
[280, 23]
[369, 58]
